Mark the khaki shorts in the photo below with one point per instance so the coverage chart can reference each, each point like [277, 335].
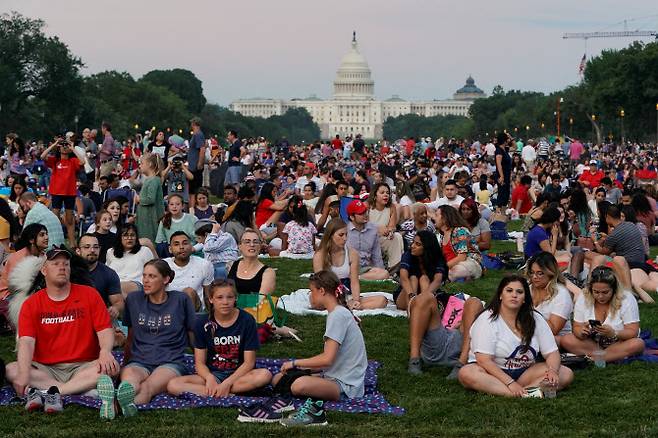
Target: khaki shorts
[62, 372]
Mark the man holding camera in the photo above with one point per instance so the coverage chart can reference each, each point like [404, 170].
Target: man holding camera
[64, 160]
[178, 177]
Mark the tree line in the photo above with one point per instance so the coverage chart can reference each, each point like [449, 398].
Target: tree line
[44, 93]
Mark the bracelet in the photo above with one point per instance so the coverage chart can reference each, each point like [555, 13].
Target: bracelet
[510, 382]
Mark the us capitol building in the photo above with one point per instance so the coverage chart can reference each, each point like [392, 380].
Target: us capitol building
[354, 109]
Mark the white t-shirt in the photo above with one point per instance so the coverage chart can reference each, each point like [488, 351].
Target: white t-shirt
[627, 314]
[560, 305]
[197, 273]
[490, 149]
[528, 153]
[497, 339]
[456, 202]
[130, 267]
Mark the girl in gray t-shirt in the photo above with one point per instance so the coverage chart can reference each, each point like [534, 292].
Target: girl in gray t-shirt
[341, 367]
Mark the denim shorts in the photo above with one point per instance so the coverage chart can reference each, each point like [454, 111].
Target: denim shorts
[220, 376]
[515, 373]
[177, 367]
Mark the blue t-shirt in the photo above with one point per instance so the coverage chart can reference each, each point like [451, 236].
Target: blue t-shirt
[412, 265]
[159, 330]
[106, 282]
[226, 345]
[536, 235]
[196, 142]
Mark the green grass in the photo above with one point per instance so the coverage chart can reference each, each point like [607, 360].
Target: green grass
[615, 401]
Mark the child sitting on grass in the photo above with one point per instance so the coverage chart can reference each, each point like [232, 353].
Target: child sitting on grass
[225, 345]
[218, 247]
[339, 371]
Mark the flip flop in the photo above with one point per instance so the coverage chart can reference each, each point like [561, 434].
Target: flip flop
[105, 388]
[126, 399]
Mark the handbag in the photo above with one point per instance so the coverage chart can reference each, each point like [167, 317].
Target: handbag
[263, 308]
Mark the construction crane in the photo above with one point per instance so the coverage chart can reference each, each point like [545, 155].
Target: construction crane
[621, 34]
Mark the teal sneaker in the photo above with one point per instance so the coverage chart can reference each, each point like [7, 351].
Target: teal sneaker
[126, 399]
[105, 388]
[310, 414]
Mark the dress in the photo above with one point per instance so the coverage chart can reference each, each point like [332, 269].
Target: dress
[151, 207]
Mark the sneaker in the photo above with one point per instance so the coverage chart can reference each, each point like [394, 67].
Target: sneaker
[34, 400]
[533, 392]
[105, 388]
[279, 404]
[52, 401]
[259, 413]
[310, 414]
[126, 399]
[454, 373]
[414, 366]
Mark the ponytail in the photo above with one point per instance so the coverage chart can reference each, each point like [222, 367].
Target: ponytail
[328, 281]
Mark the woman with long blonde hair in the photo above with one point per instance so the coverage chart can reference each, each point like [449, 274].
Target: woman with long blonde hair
[550, 296]
[605, 317]
[151, 198]
[334, 255]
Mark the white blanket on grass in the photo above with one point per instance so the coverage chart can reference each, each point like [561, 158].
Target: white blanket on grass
[388, 280]
[298, 303]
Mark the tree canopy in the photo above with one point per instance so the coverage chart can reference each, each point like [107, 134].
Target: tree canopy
[183, 83]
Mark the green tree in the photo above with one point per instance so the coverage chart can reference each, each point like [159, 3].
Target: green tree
[182, 83]
[40, 78]
[119, 99]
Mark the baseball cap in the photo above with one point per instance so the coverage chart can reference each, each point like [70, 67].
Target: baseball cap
[55, 251]
[356, 207]
[593, 162]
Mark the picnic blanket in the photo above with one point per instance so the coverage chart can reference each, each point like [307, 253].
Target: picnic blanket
[372, 402]
[388, 280]
[299, 303]
[650, 350]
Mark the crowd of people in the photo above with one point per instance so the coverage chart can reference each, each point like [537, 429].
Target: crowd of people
[117, 245]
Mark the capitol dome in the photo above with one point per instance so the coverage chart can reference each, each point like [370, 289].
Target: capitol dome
[353, 80]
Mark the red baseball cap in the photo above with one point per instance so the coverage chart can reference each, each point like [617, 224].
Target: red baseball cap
[356, 207]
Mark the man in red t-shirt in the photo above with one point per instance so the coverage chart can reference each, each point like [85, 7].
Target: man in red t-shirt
[63, 181]
[592, 179]
[521, 200]
[65, 338]
[337, 143]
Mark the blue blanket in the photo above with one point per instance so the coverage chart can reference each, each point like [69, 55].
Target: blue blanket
[372, 402]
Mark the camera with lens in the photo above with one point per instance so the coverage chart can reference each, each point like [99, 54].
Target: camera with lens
[177, 162]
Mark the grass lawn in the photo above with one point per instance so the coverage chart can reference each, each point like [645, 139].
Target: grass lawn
[615, 401]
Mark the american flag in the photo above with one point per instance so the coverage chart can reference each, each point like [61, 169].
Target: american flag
[581, 66]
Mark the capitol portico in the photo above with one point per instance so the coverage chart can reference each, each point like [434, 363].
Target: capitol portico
[354, 109]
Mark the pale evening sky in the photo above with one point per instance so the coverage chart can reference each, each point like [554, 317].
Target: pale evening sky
[418, 49]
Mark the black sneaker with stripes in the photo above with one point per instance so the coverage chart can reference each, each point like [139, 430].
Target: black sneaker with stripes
[258, 413]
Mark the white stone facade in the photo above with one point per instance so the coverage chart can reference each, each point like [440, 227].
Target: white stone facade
[354, 109]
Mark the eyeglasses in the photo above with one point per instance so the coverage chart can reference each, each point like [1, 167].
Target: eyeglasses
[250, 242]
[538, 274]
[129, 236]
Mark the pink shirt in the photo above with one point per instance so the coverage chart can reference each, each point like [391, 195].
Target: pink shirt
[575, 150]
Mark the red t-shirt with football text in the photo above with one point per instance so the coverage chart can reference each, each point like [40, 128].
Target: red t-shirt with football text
[63, 179]
[65, 331]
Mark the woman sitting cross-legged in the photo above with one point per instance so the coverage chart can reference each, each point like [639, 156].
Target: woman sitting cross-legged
[605, 317]
[159, 322]
[343, 362]
[550, 295]
[422, 269]
[506, 340]
[225, 345]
